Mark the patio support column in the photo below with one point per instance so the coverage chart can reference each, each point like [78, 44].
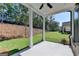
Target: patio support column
[31, 27]
[43, 28]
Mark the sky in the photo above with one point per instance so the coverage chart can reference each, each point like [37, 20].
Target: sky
[62, 17]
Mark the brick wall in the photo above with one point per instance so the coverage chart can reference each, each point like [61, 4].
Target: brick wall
[13, 31]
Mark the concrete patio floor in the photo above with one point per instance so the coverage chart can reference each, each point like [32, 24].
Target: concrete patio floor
[46, 48]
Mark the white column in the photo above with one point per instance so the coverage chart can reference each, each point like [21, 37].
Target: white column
[31, 27]
[43, 28]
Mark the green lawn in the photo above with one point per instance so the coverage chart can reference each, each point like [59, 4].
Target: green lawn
[14, 45]
[20, 43]
[56, 36]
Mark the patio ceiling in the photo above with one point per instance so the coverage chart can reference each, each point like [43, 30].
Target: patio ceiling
[46, 11]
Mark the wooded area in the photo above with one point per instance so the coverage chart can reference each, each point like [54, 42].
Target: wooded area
[14, 13]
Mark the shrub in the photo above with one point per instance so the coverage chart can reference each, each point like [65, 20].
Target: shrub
[64, 41]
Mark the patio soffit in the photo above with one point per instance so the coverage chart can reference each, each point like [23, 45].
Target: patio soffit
[46, 11]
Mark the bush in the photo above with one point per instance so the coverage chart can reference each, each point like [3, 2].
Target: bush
[64, 41]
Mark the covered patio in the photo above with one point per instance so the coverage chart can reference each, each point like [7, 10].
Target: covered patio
[46, 48]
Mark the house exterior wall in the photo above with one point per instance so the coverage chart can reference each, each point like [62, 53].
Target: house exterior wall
[66, 27]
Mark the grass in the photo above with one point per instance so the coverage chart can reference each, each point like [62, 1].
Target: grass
[20, 43]
[15, 45]
[56, 36]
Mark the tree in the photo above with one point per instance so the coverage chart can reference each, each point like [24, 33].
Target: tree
[19, 14]
[52, 25]
[37, 21]
[2, 11]
[14, 13]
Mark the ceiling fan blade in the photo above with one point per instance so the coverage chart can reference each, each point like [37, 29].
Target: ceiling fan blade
[49, 5]
[41, 6]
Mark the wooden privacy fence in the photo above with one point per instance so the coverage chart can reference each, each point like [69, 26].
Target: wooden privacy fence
[15, 31]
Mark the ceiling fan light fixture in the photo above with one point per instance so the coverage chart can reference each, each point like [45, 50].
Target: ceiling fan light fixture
[41, 6]
[49, 5]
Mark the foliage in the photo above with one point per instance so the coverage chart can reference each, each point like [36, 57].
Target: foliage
[64, 41]
[13, 13]
[53, 25]
[37, 21]
[18, 14]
